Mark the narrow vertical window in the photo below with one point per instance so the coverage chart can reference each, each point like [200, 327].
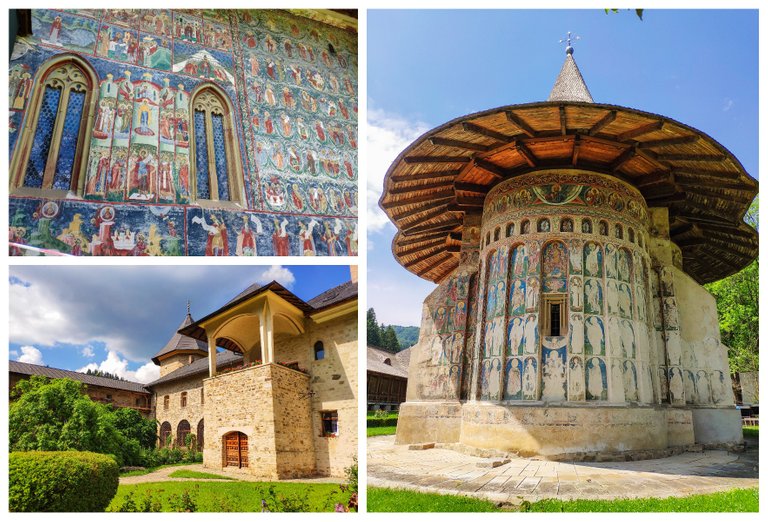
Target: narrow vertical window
[50, 151]
[319, 351]
[218, 176]
[330, 421]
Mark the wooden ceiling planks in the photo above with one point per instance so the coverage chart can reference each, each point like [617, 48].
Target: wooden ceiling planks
[449, 170]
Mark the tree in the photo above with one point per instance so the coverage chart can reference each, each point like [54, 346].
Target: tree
[373, 330]
[737, 308]
[57, 415]
[389, 340]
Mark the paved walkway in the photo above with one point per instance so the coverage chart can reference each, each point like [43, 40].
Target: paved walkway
[163, 475]
[446, 471]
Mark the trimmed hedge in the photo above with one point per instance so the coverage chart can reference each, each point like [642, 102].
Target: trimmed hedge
[381, 422]
[56, 481]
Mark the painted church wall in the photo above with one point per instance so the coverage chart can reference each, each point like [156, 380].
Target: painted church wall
[566, 234]
[292, 84]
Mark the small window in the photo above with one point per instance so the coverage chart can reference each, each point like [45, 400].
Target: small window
[510, 229]
[640, 240]
[566, 225]
[166, 402]
[109, 397]
[525, 227]
[554, 316]
[183, 399]
[319, 351]
[488, 238]
[330, 423]
[631, 233]
[202, 396]
[496, 233]
[586, 226]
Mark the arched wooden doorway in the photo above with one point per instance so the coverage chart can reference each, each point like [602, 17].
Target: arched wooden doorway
[181, 433]
[165, 434]
[200, 434]
[236, 449]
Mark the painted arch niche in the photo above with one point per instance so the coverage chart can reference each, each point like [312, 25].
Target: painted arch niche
[53, 146]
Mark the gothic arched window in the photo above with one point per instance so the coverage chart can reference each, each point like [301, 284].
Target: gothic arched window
[216, 158]
[52, 150]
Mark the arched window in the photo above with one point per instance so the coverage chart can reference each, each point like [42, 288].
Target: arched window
[181, 433]
[586, 226]
[218, 175]
[52, 150]
[603, 228]
[319, 351]
[525, 226]
[496, 233]
[618, 231]
[165, 434]
[510, 229]
[566, 225]
[631, 233]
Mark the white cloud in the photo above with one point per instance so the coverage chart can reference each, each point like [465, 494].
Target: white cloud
[727, 104]
[31, 355]
[87, 351]
[116, 365]
[388, 135]
[277, 273]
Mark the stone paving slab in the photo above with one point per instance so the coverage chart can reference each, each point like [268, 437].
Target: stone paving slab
[441, 470]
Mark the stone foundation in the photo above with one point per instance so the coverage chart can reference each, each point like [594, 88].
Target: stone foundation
[554, 432]
[718, 426]
[428, 422]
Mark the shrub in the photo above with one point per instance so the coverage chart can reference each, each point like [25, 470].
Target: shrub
[377, 422]
[61, 481]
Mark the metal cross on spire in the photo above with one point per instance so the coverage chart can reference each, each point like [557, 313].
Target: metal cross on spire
[568, 48]
[187, 306]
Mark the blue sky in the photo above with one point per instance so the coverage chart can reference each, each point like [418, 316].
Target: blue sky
[426, 67]
[116, 318]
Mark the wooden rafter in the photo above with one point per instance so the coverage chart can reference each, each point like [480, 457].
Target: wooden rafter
[437, 203]
[491, 168]
[563, 123]
[477, 129]
[477, 188]
[459, 144]
[405, 189]
[421, 198]
[526, 154]
[426, 175]
[436, 159]
[639, 131]
[602, 123]
[682, 140]
[520, 124]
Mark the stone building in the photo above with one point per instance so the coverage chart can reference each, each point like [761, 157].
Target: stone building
[183, 132]
[280, 400]
[569, 240]
[386, 378]
[118, 393]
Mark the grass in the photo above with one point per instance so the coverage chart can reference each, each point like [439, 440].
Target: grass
[750, 431]
[234, 496]
[392, 500]
[186, 473]
[402, 501]
[147, 471]
[381, 430]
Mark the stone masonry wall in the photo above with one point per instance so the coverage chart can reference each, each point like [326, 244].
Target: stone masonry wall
[333, 380]
[192, 412]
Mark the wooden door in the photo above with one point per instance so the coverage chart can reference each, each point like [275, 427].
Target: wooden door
[236, 445]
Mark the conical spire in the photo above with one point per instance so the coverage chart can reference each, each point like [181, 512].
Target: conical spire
[182, 342]
[569, 85]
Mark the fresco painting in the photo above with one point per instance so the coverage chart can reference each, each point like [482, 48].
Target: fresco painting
[295, 115]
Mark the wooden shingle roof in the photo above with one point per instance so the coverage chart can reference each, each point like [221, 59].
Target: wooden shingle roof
[448, 171]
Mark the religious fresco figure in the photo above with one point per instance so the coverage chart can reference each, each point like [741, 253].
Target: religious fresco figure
[576, 380]
[529, 379]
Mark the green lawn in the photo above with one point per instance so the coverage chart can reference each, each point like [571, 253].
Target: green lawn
[234, 496]
[186, 473]
[390, 500]
[146, 471]
[381, 430]
[750, 431]
[402, 501]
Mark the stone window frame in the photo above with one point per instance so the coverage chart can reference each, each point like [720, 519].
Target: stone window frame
[166, 402]
[183, 400]
[70, 73]
[211, 99]
[547, 301]
[329, 423]
[319, 351]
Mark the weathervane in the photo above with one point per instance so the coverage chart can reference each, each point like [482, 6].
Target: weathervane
[568, 48]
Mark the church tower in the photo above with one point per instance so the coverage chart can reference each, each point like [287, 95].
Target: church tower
[181, 350]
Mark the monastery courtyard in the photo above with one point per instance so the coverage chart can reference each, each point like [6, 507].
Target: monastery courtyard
[447, 471]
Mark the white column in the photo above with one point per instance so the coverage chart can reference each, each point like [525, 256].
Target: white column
[263, 336]
[270, 332]
[211, 356]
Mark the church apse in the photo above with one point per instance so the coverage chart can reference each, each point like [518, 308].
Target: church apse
[584, 305]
